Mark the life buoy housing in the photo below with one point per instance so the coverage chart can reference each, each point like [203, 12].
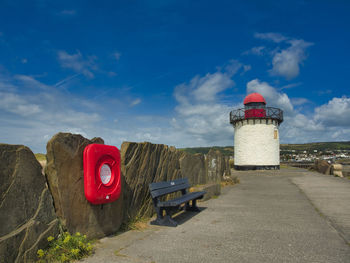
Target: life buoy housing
[102, 182]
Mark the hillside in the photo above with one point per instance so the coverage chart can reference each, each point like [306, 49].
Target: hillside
[227, 150]
[319, 146]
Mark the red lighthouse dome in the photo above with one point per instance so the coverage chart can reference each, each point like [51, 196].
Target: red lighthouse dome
[254, 98]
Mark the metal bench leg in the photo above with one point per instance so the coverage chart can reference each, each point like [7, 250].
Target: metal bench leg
[194, 207]
[164, 220]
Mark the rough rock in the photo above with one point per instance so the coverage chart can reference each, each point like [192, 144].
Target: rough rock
[217, 166]
[336, 170]
[322, 166]
[193, 167]
[142, 164]
[27, 215]
[64, 171]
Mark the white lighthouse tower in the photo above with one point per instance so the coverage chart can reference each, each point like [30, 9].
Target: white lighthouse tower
[256, 142]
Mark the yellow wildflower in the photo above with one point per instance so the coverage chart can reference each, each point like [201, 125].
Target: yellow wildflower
[75, 251]
[77, 234]
[63, 258]
[41, 253]
[66, 240]
[50, 238]
[89, 247]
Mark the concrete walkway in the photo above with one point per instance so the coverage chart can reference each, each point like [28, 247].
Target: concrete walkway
[273, 216]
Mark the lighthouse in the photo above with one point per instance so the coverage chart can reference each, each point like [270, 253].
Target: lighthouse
[256, 140]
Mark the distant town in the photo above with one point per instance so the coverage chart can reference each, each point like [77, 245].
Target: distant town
[311, 156]
[308, 152]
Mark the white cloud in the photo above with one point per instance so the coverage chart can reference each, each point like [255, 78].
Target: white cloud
[206, 88]
[246, 68]
[287, 62]
[135, 102]
[299, 101]
[68, 12]
[202, 118]
[258, 51]
[78, 63]
[275, 37]
[292, 85]
[40, 111]
[15, 104]
[117, 55]
[335, 113]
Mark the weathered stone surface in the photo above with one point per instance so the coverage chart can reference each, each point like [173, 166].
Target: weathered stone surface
[144, 163]
[27, 215]
[217, 166]
[64, 171]
[193, 167]
[322, 166]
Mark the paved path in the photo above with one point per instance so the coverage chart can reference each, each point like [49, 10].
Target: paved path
[272, 216]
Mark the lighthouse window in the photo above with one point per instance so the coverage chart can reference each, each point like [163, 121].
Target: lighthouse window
[275, 134]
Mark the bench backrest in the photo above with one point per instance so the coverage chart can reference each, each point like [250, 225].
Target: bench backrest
[163, 188]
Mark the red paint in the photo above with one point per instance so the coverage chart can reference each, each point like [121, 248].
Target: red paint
[254, 97]
[102, 160]
[255, 113]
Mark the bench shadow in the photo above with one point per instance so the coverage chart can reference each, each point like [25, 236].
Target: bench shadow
[183, 216]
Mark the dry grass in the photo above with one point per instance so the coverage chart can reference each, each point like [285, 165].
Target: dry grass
[230, 180]
[40, 157]
[118, 254]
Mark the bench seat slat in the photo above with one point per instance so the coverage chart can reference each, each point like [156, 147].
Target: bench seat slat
[169, 190]
[161, 185]
[182, 199]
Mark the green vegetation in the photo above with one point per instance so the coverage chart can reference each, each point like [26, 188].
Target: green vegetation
[228, 150]
[319, 146]
[232, 163]
[40, 157]
[65, 248]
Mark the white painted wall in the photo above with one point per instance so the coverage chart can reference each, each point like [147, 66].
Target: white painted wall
[257, 144]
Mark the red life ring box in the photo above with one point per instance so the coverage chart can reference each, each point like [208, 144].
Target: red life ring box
[102, 182]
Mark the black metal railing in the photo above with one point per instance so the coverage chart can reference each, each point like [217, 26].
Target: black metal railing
[270, 113]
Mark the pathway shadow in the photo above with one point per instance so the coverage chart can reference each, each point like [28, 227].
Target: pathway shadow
[183, 216]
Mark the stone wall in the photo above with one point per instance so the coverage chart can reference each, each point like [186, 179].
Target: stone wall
[27, 215]
[34, 205]
[144, 163]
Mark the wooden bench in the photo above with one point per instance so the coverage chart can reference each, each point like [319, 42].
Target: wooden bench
[164, 188]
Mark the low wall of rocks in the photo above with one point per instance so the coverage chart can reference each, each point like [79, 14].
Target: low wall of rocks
[34, 205]
[144, 163]
[338, 170]
[322, 166]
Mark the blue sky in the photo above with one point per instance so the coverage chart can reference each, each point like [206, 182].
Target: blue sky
[171, 71]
